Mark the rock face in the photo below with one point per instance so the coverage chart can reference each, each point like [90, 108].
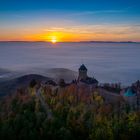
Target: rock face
[8, 87]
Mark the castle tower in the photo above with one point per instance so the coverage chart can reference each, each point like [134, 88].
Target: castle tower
[82, 73]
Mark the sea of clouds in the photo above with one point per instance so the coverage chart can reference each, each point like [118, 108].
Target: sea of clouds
[108, 62]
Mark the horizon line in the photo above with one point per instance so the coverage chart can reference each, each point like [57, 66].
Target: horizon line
[91, 41]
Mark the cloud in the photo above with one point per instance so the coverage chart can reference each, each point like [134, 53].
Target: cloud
[84, 13]
[98, 29]
[77, 31]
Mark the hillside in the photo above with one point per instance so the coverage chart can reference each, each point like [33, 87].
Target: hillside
[9, 86]
[25, 116]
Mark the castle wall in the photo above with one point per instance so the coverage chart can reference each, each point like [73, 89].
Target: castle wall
[82, 75]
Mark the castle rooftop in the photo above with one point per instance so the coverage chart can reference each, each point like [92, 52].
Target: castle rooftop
[83, 67]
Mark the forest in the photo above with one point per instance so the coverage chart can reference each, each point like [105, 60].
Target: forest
[66, 115]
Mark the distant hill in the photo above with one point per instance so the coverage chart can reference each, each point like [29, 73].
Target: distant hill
[62, 73]
[70, 42]
[109, 42]
[4, 71]
[6, 74]
[10, 81]
[9, 86]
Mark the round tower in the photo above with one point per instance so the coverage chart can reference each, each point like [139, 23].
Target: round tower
[82, 73]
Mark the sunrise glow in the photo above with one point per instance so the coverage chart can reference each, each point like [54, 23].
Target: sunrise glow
[68, 24]
[54, 40]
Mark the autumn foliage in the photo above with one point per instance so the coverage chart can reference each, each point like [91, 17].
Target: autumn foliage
[77, 115]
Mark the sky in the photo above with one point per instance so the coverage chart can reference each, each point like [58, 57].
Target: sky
[69, 20]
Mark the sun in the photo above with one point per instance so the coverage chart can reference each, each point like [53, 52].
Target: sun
[53, 40]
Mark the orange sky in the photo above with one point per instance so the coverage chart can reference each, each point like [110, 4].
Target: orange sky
[72, 34]
[70, 20]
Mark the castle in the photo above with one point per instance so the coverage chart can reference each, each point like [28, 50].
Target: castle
[84, 78]
[85, 84]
